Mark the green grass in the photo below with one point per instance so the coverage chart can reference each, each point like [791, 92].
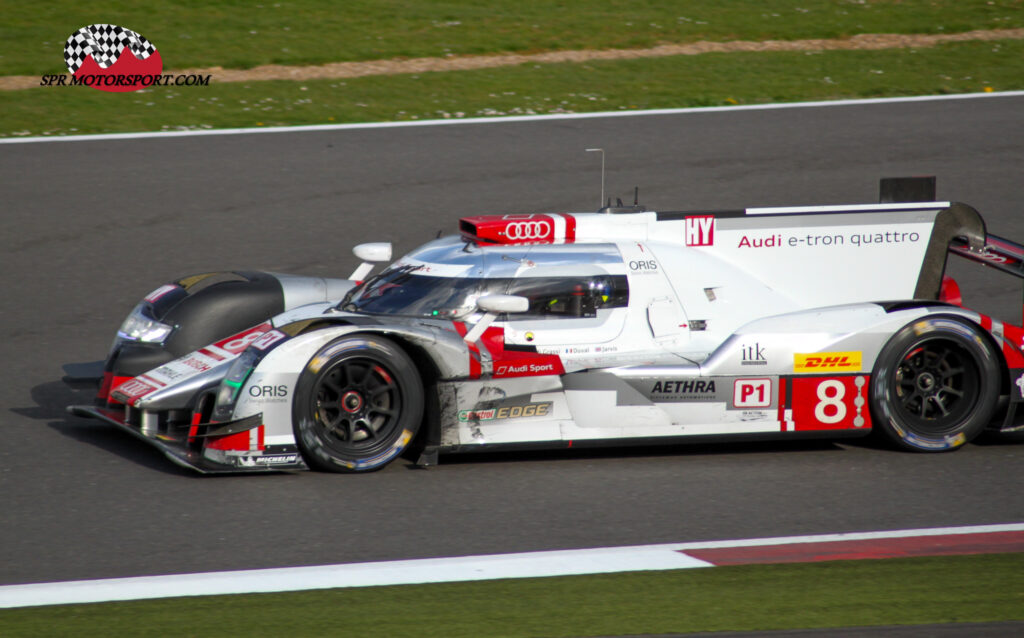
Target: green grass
[711, 79]
[233, 33]
[982, 588]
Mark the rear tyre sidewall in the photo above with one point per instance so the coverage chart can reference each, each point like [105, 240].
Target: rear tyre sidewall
[909, 403]
[342, 425]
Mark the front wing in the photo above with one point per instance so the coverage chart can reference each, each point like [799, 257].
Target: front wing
[206, 447]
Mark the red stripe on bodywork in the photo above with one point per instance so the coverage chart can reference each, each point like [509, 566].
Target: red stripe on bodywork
[236, 441]
[474, 352]
[114, 382]
[570, 228]
[193, 428]
[1014, 359]
[944, 545]
[516, 363]
[782, 403]
[105, 385]
[508, 363]
[1013, 341]
[210, 353]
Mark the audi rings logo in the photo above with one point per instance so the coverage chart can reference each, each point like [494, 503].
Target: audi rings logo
[528, 230]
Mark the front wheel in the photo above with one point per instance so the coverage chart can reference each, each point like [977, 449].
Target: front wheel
[935, 385]
[358, 404]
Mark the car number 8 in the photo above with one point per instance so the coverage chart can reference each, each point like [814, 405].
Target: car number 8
[833, 400]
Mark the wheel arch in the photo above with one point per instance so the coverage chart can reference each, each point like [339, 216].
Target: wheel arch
[988, 348]
[975, 321]
[995, 343]
[427, 366]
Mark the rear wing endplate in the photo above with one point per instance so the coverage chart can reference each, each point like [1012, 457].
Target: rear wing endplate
[1001, 254]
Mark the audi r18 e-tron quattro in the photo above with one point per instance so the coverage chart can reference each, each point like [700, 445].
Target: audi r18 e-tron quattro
[555, 330]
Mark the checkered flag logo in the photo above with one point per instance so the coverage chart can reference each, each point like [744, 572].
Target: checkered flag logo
[104, 42]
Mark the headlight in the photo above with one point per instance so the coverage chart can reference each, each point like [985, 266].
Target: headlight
[237, 374]
[139, 327]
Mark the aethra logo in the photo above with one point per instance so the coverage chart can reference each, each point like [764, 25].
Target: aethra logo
[700, 230]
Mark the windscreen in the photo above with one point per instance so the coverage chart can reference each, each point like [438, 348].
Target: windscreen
[405, 291]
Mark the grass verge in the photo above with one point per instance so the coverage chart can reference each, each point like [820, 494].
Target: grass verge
[983, 588]
[704, 80]
[237, 34]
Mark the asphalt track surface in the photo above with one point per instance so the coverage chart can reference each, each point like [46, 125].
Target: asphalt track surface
[90, 227]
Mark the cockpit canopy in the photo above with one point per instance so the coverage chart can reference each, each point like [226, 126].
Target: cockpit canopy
[444, 278]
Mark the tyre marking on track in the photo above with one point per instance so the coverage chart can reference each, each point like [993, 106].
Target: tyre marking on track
[979, 538]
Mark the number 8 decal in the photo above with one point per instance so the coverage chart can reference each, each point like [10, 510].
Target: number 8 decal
[833, 400]
[829, 403]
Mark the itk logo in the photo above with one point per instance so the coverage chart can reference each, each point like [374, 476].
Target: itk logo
[753, 355]
[700, 230]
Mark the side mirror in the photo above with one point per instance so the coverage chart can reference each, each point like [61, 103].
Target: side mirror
[374, 252]
[500, 304]
[370, 253]
[494, 305]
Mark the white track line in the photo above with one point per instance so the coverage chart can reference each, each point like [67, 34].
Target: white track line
[428, 570]
[501, 120]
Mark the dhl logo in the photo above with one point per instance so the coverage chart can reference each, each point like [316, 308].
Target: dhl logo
[827, 362]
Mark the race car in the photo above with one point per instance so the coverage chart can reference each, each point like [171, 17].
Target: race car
[573, 329]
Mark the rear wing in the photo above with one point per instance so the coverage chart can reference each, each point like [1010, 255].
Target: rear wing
[975, 243]
[1001, 254]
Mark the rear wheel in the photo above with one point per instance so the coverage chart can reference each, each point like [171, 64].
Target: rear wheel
[935, 385]
[358, 404]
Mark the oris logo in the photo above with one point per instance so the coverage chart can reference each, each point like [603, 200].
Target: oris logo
[268, 391]
[528, 230]
[643, 265]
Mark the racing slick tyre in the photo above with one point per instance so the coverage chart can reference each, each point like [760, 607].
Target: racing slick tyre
[935, 385]
[358, 404]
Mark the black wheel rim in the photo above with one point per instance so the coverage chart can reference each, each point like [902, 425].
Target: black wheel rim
[935, 387]
[358, 403]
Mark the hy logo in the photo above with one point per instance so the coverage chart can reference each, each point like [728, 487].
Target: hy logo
[111, 58]
[700, 230]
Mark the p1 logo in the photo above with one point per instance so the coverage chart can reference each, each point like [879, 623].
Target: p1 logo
[111, 58]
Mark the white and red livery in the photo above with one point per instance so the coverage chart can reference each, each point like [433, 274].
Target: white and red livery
[558, 330]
